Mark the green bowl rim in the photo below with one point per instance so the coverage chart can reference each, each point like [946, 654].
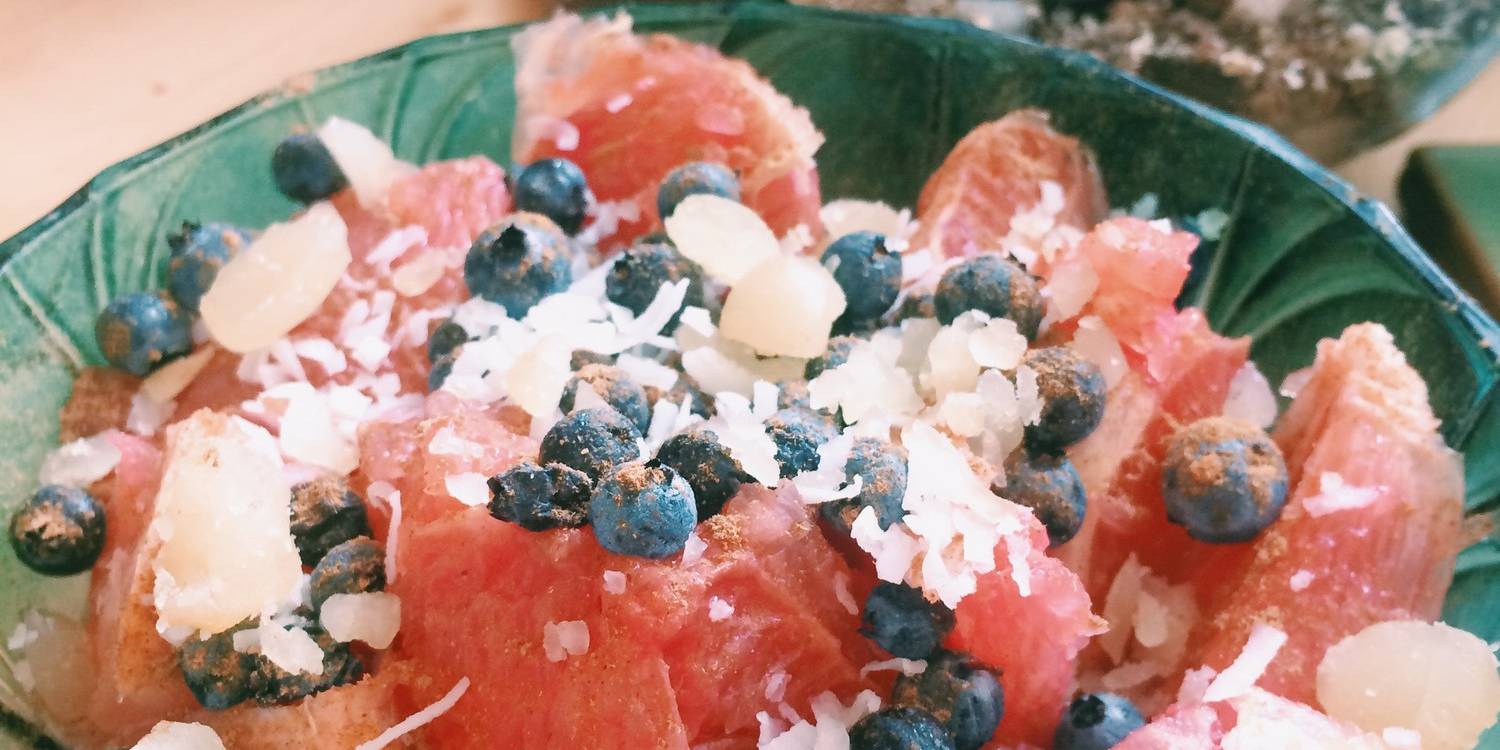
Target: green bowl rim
[662, 16]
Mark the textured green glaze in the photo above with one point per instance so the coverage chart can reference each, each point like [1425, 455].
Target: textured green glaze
[1303, 256]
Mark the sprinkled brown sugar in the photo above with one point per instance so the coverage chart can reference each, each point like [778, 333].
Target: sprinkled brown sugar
[100, 401]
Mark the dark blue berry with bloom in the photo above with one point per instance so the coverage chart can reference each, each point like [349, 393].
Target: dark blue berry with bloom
[518, 262]
[899, 728]
[216, 674]
[441, 369]
[707, 465]
[992, 285]
[1073, 395]
[616, 388]
[271, 685]
[869, 274]
[305, 170]
[881, 468]
[538, 498]
[325, 514]
[141, 330]
[59, 531]
[1096, 721]
[695, 178]
[798, 433]
[643, 510]
[593, 441]
[1224, 480]
[198, 252]
[1050, 486]
[901, 620]
[638, 274]
[554, 188]
[354, 567]
[964, 696]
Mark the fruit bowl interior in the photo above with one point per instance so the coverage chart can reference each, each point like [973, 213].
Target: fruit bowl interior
[1302, 257]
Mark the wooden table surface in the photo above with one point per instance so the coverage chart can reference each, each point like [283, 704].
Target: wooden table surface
[84, 83]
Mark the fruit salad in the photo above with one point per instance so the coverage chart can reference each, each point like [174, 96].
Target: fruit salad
[643, 442]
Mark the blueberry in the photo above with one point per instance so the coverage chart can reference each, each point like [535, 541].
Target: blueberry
[441, 369]
[793, 394]
[271, 685]
[901, 620]
[1050, 486]
[518, 262]
[554, 188]
[593, 441]
[354, 567]
[325, 514]
[304, 169]
[616, 388]
[1073, 392]
[643, 510]
[899, 728]
[881, 467]
[198, 252]
[960, 693]
[141, 330]
[445, 339]
[637, 276]
[59, 531]
[538, 498]
[216, 674]
[869, 274]
[695, 178]
[707, 465]
[992, 285]
[1223, 479]
[798, 433]
[1096, 721]
[836, 355]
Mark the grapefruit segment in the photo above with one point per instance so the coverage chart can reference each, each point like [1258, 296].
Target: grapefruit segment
[1362, 423]
[453, 200]
[627, 109]
[996, 171]
[1036, 649]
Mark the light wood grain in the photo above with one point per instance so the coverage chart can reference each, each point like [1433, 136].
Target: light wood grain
[86, 83]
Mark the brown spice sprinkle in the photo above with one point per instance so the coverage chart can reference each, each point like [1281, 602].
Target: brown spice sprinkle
[635, 478]
[100, 401]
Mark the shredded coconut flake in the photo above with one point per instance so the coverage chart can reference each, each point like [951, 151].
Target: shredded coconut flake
[1401, 738]
[172, 735]
[447, 442]
[147, 416]
[372, 617]
[693, 549]
[745, 436]
[293, 650]
[1250, 397]
[908, 667]
[470, 488]
[418, 719]
[647, 372]
[841, 592]
[1195, 683]
[719, 610]
[388, 494]
[614, 582]
[1096, 342]
[1301, 580]
[1334, 495]
[563, 639]
[81, 462]
[1240, 677]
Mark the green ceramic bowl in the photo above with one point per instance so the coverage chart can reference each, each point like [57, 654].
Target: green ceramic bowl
[1303, 256]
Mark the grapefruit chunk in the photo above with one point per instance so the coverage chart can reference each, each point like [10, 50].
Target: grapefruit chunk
[452, 200]
[659, 669]
[1141, 268]
[1257, 719]
[997, 171]
[1361, 425]
[627, 109]
[1034, 639]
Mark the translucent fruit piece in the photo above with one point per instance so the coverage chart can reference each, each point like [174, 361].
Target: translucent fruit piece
[1429, 677]
[364, 159]
[784, 306]
[723, 236]
[277, 282]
